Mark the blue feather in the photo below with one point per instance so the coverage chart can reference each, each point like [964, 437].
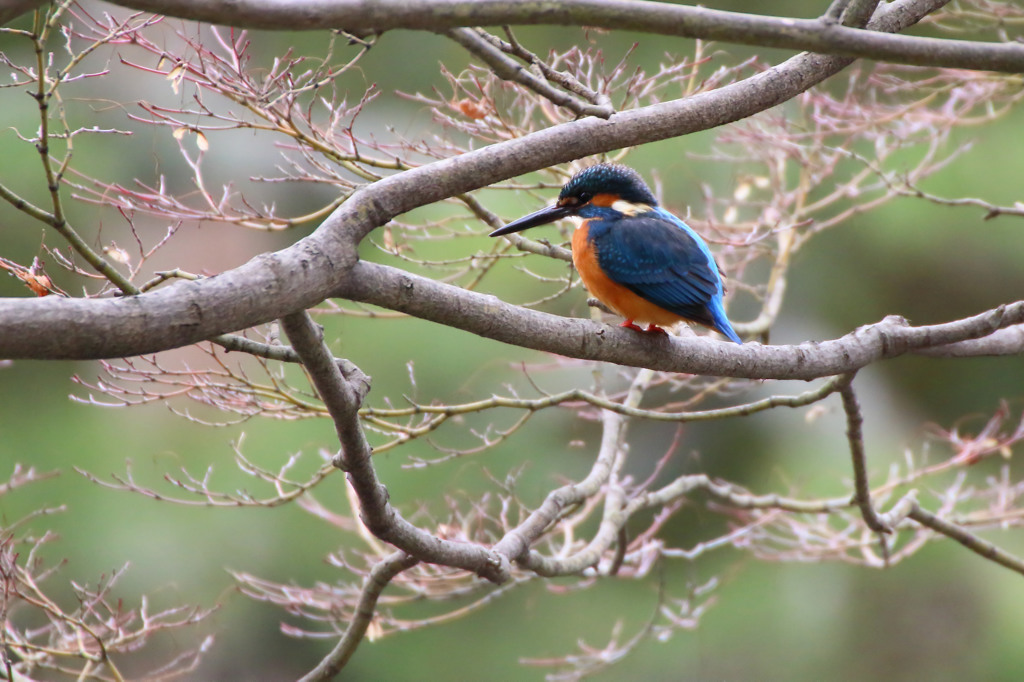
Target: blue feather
[638, 245]
[661, 259]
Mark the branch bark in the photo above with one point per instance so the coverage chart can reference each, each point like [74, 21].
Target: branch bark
[587, 340]
[382, 573]
[325, 263]
[824, 36]
[342, 401]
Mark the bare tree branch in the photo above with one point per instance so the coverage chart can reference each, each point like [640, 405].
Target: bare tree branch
[516, 544]
[342, 400]
[969, 540]
[578, 529]
[273, 285]
[813, 35]
[855, 436]
[585, 339]
[509, 69]
[1008, 341]
[376, 580]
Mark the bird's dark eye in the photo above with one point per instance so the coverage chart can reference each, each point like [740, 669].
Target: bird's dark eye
[584, 197]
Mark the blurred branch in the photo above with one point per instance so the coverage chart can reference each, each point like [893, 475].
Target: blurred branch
[51, 632]
[316, 267]
[516, 543]
[969, 540]
[823, 36]
[991, 210]
[376, 580]
[480, 44]
[854, 14]
[342, 401]
[1008, 341]
[855, 436]
[587, 340]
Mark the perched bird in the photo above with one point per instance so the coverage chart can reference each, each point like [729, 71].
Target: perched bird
[635, 257]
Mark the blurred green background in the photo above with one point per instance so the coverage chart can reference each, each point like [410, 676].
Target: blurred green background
[944, 614]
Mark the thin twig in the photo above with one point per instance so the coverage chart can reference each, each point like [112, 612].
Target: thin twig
[342, 399]
[510, 70]
[855, 436]
[972, 542]
[382, 573]
[611, 457]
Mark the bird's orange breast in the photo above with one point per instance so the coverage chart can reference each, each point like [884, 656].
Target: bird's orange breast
[617, 297]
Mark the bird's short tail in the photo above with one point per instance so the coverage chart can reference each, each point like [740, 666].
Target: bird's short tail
[722, 324]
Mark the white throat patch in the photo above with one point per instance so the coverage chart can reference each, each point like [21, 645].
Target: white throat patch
[629, 208]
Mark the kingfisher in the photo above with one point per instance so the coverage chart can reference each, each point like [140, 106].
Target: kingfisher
[638, 259]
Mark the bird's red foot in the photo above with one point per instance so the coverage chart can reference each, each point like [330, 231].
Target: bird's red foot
[651, 328]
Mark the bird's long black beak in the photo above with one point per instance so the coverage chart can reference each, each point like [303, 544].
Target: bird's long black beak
[541, 217]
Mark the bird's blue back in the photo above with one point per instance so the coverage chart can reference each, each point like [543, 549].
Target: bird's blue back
[661, 259]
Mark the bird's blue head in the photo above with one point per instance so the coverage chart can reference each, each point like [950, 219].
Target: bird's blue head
[620, 182]
[604, 187]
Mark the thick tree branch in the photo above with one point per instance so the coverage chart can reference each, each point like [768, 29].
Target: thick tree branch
[1008, 341]
[854, 14]
[489, 317]
[813, 35]
[274, 285]
[584, 339]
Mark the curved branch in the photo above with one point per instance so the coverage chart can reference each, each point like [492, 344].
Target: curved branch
[382, 573]
[1007, 341]
[855, 436]
[510, 70]
[341, 397]
[488, 317]
[824, 36]
[983, 548]
[491, 318]
[516, 543]
[274, 285]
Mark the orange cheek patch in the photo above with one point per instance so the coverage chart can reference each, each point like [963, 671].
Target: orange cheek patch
[605, 200]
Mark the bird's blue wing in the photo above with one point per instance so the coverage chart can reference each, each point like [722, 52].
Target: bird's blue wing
[660, 260]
